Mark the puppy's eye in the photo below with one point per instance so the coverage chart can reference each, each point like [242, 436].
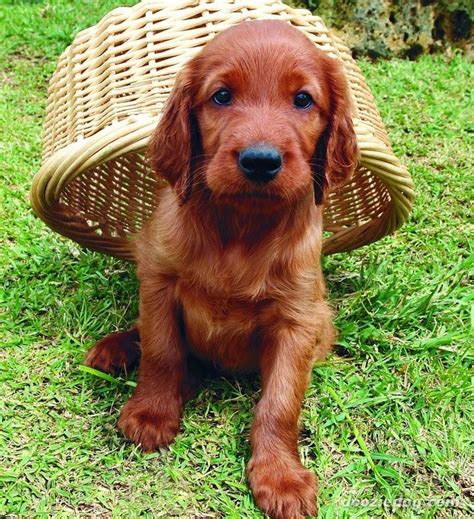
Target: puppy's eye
[222, 97]
[302, 100]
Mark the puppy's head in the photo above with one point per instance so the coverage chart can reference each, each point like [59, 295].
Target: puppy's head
[258, 118]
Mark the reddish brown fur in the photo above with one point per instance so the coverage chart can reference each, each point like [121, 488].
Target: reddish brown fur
[229, 271]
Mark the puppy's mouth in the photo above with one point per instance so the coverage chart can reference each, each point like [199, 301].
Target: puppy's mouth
[243, 195]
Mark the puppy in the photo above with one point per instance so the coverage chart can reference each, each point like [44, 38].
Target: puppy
[255, 133]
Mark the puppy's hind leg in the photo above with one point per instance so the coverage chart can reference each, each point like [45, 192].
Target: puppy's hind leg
[116, 353]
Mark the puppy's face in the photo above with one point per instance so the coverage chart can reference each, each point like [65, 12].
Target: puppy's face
[265, 110]
[261, 109]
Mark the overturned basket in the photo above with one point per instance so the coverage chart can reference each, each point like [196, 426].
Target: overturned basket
[105, 99]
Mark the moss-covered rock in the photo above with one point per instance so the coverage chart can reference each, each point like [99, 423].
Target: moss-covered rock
[384, 28]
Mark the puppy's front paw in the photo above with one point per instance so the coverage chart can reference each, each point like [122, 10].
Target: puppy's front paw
[282, 491]
[147, 427]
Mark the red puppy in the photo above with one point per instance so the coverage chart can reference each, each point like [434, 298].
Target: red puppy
[256, 130]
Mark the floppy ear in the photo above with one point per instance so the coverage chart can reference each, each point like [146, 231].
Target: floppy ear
[336, 151]
[176, 141]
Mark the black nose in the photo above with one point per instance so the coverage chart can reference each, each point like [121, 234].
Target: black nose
[260, 163]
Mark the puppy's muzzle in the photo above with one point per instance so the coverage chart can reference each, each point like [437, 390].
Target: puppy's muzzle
[260, 163]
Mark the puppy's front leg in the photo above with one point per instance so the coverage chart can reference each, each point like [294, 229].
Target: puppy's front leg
[282, 487]
[151, 416]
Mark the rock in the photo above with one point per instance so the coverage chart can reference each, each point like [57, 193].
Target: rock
[385, 28]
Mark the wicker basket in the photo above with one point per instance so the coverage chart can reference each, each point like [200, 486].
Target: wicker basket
[105, 99]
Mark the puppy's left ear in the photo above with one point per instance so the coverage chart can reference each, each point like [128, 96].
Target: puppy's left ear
[336, 152]
[176, 141]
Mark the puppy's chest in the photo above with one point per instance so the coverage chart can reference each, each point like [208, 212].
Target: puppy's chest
[231, 275]
[222, 330]
[225, 302]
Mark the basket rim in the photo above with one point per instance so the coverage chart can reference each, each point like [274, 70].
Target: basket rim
[132, 135]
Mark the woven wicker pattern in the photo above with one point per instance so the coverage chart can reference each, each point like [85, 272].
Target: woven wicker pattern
[105, 99]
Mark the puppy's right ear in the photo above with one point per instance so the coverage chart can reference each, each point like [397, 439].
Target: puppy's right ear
[176, 142]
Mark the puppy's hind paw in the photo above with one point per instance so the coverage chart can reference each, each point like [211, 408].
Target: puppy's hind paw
[115, 353]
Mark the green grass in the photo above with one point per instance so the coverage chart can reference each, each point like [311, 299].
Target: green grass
[388, 416]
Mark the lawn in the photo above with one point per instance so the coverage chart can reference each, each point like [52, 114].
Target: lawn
[387, 421]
